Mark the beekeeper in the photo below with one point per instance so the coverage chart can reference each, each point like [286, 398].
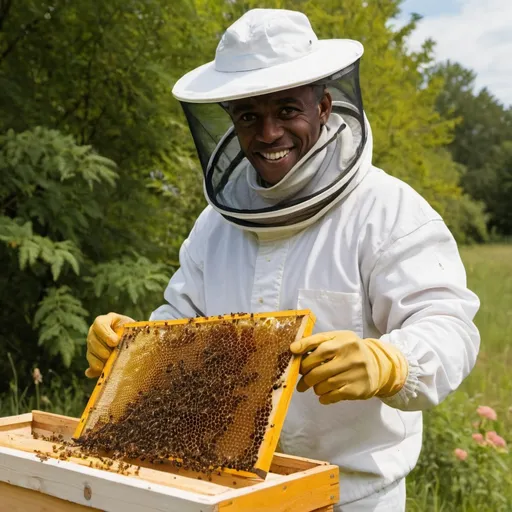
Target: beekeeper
[298, 218]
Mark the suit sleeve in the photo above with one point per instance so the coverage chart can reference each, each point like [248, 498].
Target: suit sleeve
[421, 301]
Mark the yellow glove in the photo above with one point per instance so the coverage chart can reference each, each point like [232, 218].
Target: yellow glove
[101, 340]
[342, 366]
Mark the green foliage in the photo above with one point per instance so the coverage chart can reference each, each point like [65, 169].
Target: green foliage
[482, 142]
[34, 248]
[103, 73]
[492, 184]
[466, 219]
[41, 165]
[55, 394]
[482, 481]
[60, 318]
[76, 76]
[52, 193]
[43, 180]
[133, 276]
[482, 121]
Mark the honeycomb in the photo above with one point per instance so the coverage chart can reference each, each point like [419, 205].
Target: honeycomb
[204, 393]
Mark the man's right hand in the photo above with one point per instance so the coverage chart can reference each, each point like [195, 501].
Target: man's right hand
[101, 340]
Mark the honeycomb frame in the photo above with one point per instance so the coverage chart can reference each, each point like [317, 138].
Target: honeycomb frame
[280, 404]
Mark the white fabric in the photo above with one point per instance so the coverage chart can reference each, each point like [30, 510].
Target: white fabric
[381, 263]
[389, 499]
[260, 39]
[266, 50]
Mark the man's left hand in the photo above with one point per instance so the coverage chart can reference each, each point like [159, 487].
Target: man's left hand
[341, 366]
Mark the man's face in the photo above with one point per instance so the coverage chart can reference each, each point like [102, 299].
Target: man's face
[276, 130]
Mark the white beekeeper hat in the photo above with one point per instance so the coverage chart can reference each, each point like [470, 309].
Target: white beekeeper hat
[266, 50]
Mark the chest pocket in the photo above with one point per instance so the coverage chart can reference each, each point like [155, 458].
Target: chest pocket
[334, 311]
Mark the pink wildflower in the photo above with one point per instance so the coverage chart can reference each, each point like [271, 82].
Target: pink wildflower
[484, 411]
[495, 439]
[460, 453]
[479, 439]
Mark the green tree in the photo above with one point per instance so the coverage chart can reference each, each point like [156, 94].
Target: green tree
[47, 186]
[482, 121]
[492, 184]
[481, 143]
[81, 234]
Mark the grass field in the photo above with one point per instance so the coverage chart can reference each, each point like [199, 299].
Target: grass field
[441, 482]
[483, 481]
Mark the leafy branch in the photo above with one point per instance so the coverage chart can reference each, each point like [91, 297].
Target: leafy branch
[135, 276]
[33, 248]
[61, 321]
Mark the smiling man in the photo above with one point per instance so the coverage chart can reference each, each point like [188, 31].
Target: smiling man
[276, 130]
[298, 218]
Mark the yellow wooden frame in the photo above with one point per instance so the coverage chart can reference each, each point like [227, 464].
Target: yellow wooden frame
[271, 438]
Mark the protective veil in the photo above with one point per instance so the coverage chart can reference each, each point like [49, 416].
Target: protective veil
[256, 49]
[312, 186]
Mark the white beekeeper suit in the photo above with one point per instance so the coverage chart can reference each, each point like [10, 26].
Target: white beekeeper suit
[358, 247]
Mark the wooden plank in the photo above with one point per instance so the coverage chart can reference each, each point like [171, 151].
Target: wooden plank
[19, 422]
[19, 499]
[48, 422]
[163, 473]
[283, 464]
[269, 444]
[223, 318]
[147, 474]
[54, 423]
[300, 492]
[13, 420]
[107, 491]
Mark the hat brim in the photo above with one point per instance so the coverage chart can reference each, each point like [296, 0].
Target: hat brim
[207, 85]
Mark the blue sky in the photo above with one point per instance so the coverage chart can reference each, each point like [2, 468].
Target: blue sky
[475, 33]
[432, 7]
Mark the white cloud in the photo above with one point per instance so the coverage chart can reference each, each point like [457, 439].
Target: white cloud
[479, 37]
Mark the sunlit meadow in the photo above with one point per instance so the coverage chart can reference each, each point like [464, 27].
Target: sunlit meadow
[466, 464]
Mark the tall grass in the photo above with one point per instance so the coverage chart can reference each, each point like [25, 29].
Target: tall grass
[53, 395]
[483, 481]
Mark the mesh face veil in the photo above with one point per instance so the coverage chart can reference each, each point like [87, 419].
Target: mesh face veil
[231, 183]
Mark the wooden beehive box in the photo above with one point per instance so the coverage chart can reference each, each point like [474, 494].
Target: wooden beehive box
[28, 484]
